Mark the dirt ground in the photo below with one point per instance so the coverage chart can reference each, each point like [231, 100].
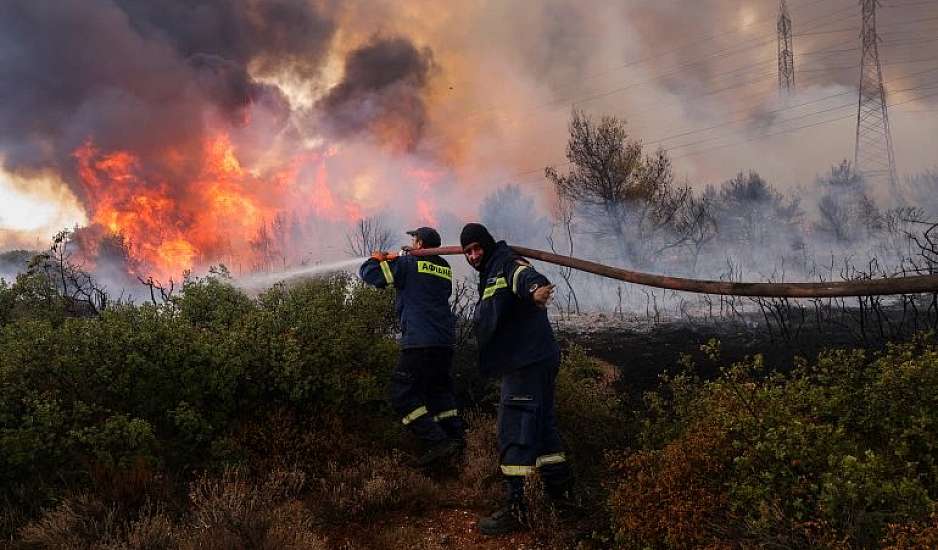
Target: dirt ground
[445, 528]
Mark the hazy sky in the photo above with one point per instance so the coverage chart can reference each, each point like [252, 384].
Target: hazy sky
[479, 90]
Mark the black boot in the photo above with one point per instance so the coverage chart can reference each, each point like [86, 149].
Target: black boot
[512, 516]
[439, 452]
[560, 493]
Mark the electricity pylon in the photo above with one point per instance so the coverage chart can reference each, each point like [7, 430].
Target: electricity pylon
[786, 55]
[874, 158]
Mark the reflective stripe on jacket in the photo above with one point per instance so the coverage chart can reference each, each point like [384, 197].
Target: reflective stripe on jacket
[513, 332]
[423, 288]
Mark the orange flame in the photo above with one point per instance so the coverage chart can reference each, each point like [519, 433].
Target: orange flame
[221, 209]
[180, 209]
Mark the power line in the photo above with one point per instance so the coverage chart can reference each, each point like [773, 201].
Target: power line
[695, 42]
[783, 109]
[909, 42]
[718, 54]
[743, 84]
[790, 130]
[747, 119]
[743, 119]
[909, 22]
[518, 177]
[559, 104]
[825, 53]
[780, 132]
[907, 4]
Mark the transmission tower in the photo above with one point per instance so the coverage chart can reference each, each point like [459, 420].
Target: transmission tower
[786, 55]
[874, 158]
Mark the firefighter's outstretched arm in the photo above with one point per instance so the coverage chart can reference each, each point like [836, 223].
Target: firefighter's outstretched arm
[382, 270]
[529, 285]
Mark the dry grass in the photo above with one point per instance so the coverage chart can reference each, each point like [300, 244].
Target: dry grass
[374, 485]
[478, 482]
[913, 536]
[542, 518]
[76, 523]
[234, 513]
[152, 531]
[281, 440]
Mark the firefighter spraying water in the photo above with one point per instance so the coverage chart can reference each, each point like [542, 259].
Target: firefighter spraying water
[516, 344]
[421, 384]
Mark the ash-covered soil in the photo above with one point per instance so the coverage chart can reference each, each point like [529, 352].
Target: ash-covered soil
[641, 349]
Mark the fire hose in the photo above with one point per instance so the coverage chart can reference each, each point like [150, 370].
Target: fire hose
[913, 284]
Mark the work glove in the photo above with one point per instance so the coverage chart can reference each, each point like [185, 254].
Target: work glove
[383, 255]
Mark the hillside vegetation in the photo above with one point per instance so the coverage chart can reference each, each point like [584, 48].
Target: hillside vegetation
[219, 420]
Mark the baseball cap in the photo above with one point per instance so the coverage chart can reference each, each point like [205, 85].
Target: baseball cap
[428, 235]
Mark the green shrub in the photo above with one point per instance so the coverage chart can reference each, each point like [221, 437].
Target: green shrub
[212, 302]
[322, 342]
[590, 414]
[169, 384]
[834, 451]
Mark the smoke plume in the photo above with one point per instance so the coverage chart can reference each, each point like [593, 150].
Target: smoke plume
[381, 92]
[252, 132]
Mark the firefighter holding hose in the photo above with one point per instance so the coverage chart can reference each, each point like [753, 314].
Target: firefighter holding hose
[516, 342]
[421, 383]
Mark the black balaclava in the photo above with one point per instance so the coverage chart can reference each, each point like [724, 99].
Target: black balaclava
[477, 233]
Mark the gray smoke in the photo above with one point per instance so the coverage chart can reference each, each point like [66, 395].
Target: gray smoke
[383, 84]
[140, 75]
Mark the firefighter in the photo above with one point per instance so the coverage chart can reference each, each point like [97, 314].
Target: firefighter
[516, 342]
[421, 384]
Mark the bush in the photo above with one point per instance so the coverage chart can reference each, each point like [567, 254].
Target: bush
[834, 451]
[671, 497]
[913, 535]
[168, 385]
[321, 342]
[590, 415]
[231, 511]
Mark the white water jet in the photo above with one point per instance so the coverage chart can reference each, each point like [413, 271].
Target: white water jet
[261, 281]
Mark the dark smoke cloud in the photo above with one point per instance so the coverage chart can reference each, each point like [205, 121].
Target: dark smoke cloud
[274, 34]
[383, 85]
[140, 75]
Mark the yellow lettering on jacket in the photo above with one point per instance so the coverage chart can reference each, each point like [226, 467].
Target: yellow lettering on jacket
[431, 268]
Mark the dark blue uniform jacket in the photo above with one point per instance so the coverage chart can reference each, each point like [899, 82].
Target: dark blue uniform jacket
[424, 285]
[513, 332]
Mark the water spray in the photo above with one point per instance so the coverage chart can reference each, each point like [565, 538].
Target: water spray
[260, 281]
[914, 284]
